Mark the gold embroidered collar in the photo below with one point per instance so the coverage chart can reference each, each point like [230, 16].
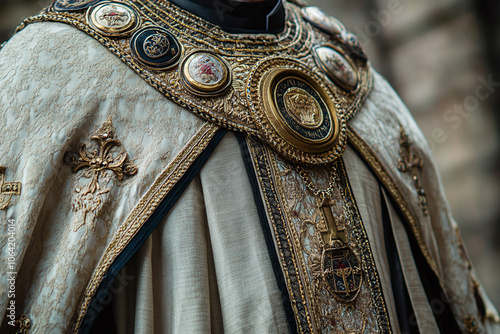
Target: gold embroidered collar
[295, 90]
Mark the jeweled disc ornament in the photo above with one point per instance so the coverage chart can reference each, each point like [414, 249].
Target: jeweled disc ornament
[73, 5]
[323, 21]
[296, 111]
[156, 48]
[342, 272]
[205, 74]
[338, 68]
[113, 18]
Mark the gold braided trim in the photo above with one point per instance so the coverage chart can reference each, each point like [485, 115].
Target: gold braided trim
[261, 157]
[390, 185]
[144, 209]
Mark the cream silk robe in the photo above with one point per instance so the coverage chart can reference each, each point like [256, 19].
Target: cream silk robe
[206, 267]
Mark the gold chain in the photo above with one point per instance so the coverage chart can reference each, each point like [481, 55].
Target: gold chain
[321, 193]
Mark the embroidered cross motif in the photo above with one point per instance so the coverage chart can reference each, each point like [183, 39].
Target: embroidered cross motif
[410, 162]
[7, 190]
[97, 161]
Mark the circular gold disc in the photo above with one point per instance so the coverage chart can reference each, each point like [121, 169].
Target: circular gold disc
[299, 110]
[296, 111]
[113, 18]
[205, 74]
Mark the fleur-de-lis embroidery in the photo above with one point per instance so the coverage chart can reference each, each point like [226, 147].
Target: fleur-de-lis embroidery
[411, 162]
[97, 160]
[7, 190]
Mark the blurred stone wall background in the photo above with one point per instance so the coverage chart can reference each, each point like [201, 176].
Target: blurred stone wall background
[435, 54]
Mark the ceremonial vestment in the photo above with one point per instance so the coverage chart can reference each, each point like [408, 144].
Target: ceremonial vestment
[161, 174]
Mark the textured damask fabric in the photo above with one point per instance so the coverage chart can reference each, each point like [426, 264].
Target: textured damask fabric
[58, 87]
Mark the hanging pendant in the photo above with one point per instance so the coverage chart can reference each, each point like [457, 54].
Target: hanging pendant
[340, 267]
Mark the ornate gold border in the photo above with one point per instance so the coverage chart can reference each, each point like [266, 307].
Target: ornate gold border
[260, 159]
[143, 210]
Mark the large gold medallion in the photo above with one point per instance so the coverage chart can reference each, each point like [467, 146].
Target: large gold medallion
[113, 19]
[296, 111]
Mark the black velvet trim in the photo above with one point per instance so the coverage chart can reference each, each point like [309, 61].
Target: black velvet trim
[103, 295]
[404, 308]
[440, 305]
[267, 233]
[236, 17]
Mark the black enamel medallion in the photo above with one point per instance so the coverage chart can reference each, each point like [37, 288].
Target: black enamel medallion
[302, 109]
[155, 48]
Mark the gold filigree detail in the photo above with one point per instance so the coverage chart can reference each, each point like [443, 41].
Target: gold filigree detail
[411, 162]
[305, 223]
[96, 162]
[22, 325]
[7, 190]
[471, 325]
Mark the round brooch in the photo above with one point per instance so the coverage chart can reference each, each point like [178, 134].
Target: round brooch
[73, 5]
[338, 68]
[113, 19]
[155, 48]
[205, 74]
[320, 20]
[296, 111]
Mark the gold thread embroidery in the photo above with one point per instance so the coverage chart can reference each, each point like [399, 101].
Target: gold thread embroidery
[296, 223]
[410, 162]
[291, 268]
[96, 163]
[7, 190]
[143, 210]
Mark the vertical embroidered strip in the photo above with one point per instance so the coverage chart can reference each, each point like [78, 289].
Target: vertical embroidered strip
[296, 223]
